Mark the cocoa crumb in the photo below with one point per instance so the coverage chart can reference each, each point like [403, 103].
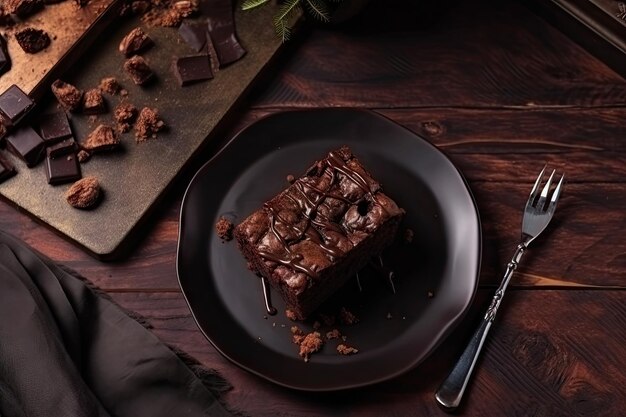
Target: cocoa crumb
[70, 97]
[139, 70]
[347, 317]
[163, 17]
[290, 179]
[93, 102]
[148, 124]
[102, 138]
[346, 350]
[110, 85]
[124, 114]
[224, 228]
[136, 40]
[297, 335]
[408, 236]
[291, 315]
[84, 193]
[431, 294]
[83, 156]
[311, 343]
[32, 40]
[333, 334]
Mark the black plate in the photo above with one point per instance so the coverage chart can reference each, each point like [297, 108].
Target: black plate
[397, 331]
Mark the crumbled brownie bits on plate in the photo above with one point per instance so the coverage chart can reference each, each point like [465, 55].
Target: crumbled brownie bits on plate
[93, 102]
[148, 124]
[102, 138]
[297, 335]
[291, 315]
[333, 334]
[70, 97]
[347, 317]
[346, 350]
[124, 114]
[311, 343]
[224, 228]
[139, 70]
[32, 40]
[84, 193]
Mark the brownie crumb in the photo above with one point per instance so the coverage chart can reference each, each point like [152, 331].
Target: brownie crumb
[84, 193]
[124, 114]
[333, 334]
[346, 350]
[139, 70]
[317, 325]
[347, 317]
[83, 156]
[431, 294]
[70, 97]
[148, 124]
[291, 179]
[297, 335]
[291, 315]
[32, 40]
[408, 236]
[311, 343]
[102, 138]
[93, 102]
[224, 228]
[22, 8]
[136, 40]
[110, 85]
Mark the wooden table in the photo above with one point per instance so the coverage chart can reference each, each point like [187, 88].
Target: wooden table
[501, 92]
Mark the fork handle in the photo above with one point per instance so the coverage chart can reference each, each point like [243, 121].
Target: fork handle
[453, 387]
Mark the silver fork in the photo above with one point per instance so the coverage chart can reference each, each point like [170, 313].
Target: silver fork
[537, 214]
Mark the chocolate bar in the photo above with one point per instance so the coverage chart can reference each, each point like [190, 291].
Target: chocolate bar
[25, 143]
[62, 148]
[62, 169]
[14, 104]
[54, 127]
[191, 69]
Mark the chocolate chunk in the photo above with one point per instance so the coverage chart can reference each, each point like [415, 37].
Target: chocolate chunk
[7, 170]
[84, 193]
[26, 144]
[138, 69]
[110, 85]
[125, 114]
[148, 124]
[5, 58]
[70, 97]
[62, 148]
[195, 34]
[62, 169]
[222, 32]
[93, 102]
[22, 8]
[14, 105]
[54, 127]
[32, 40]
[136, 40]
[103, 138]
[191, 69]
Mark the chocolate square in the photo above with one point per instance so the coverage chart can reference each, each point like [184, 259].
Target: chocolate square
[14, 104]
[191, 69]
[7, 170]
[62, 148]
[194, 34]
[26, 144]
[54, 127]
[62, 169]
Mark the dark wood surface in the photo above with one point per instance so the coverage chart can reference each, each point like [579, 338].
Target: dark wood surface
[501, 92]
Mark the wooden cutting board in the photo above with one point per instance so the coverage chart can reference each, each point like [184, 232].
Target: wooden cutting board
[135, 177]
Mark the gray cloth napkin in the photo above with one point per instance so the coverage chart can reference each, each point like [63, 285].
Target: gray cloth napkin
[67, 351]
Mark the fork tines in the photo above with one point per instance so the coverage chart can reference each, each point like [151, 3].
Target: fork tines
[539, 200]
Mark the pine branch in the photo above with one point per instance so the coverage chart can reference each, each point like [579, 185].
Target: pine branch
[318, 9]
[251, 4]
[283, 31]
[286, 10]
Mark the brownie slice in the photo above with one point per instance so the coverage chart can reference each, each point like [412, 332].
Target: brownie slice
[315, 235]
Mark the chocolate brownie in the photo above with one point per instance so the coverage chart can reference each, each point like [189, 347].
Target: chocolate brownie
[315, 235]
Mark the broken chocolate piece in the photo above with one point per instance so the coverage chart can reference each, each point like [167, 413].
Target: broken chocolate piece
[22, 8]
[62, 148]
[70, 97]
[5, 59]
[138, 69]
[14, 105]
[93, 102]
[222, 32]
[62, 169]
[148, 124]
[54, 127]
[192, 69]
[125, 114]
[25, 143]
[84, 193]
[194, 34]
[136, 40]
[7, 170]
[32, 40]
[103, 138]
